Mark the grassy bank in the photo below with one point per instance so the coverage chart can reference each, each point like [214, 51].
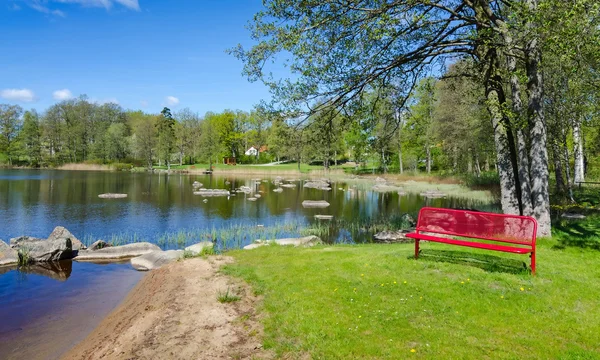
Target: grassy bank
[376, 301]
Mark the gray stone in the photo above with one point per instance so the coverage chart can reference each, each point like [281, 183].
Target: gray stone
[196, 185]
[306, 241]
[251, 199]
[60, 232]
[258, 196]
[397, 236]
[324, 217]
[315, 204]
[572, 216]
[289, 186]
[199, 247]
[155, 259]
[117, 252]
[112, 196]
[99, 244]
[380, 180]
[22, 240]
[47, 250]
[8, 255]
[278, 190]
[212, 192]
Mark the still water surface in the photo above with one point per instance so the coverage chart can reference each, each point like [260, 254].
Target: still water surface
[45, 311]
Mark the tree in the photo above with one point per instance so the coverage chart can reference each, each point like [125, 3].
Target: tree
[210, 146]
[165, 127]
[144, 136]
[186, 133]
[30, 138]
[115, 140]
[337, 51]
[10, 123]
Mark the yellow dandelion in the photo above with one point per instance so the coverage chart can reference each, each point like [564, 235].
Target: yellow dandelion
[468, 279]
[381, 284]
[421, 298]
[413, 350]
[501, 296]
[335, 289]
[394, 282]
[362, 274]
[405, 281]
[522, 289]
[462, 282]
[359, 316]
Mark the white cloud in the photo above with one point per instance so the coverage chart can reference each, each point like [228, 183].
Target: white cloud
[64, 94]
[172, 101]
[22, 95]
[44, 6]
[144, 103]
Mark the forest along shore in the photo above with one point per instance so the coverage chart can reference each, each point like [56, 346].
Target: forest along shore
[174, 313]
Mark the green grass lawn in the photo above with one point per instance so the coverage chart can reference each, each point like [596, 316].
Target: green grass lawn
[375, 301]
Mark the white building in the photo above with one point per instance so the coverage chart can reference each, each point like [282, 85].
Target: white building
[252, 151]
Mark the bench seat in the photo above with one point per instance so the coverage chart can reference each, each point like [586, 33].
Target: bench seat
[508, 249]
[477, 229]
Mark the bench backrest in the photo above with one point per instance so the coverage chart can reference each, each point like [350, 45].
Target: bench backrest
[480, 225]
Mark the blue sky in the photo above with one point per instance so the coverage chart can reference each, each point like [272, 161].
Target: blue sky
[143, 54]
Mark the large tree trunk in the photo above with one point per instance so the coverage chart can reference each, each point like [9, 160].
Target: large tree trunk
[428, 152]
[508, 189]
[539, 154]
[558, 171]
[579, 175]
[517, 104]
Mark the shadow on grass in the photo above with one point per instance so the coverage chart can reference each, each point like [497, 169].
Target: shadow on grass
[582, 234]
[485, 262]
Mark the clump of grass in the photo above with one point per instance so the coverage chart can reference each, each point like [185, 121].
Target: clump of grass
[227, 296]
[24, 256]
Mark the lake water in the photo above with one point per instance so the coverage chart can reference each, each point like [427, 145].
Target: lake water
[40, 305]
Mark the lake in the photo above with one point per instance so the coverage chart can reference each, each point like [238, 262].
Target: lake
[36, 304]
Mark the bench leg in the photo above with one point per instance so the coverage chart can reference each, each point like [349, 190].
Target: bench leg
[532, 263]
[416, 248]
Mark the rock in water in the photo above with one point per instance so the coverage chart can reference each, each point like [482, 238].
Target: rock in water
[306, 241]
[315, 204]
[324, 217]
[46, 250]
[318, 184]
[212, 192]
[60, 232]
[117, 252]
[112, 196]
[8, 255]
[155, 259]
[572, 216]
[199, 247]
[252, 199]
[278, 190]
[99, 244]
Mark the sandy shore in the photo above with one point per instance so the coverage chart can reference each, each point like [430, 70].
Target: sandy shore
[173, 313]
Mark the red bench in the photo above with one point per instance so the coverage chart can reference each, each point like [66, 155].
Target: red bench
[468, 228]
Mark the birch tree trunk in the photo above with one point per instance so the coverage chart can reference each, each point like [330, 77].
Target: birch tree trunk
[578, 175]
[538, 137]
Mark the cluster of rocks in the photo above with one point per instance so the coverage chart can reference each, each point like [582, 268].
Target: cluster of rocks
[321, 184]
[43, 254]
[212, 192]
[383, 186]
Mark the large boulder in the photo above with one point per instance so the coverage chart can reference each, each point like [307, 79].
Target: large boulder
[117, 252]
[46, 250]
[112, 196]
[199, 247]
[22, 240]
[306, 241]
[60, 232]
[155, 259]
[8, 255]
